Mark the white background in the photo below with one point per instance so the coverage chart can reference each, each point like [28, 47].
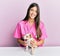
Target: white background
[18, 51]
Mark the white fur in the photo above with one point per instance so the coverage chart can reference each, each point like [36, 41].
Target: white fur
[28, 39]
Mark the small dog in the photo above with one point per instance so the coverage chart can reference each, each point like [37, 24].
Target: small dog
[28, 38]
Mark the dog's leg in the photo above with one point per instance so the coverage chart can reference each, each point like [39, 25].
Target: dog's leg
[32, 50]
[27, 48]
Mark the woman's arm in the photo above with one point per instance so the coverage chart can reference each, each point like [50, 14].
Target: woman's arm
[37, 43]
[21, 42]
[40, 42]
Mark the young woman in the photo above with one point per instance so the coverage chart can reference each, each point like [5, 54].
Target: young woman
[31, 24]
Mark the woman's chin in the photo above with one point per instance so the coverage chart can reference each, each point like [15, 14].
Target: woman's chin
[32, 17]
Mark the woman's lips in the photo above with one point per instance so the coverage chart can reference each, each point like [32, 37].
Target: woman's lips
[33, 15]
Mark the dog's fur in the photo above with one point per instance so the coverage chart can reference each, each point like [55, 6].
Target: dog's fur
[28, 38]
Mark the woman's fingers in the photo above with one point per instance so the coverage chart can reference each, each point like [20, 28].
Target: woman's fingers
[33, 43]
[24, 43]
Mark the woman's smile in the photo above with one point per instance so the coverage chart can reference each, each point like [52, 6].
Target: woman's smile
[33, 12]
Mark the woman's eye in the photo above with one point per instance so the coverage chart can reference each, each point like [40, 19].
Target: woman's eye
[36, 11]
[31, 9]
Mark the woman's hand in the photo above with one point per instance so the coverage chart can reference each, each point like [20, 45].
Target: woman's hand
[24, 43]
[21, 42]
[34, 43]
[37, 43]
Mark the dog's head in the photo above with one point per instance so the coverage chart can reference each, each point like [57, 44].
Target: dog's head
[27, 36]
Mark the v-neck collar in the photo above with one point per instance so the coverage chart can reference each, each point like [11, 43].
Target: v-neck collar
[29, 28]
[30, 25]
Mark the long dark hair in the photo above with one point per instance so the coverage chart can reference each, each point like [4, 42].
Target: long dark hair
[37, 19]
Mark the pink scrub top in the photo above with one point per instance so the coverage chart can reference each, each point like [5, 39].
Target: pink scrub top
[23, 27]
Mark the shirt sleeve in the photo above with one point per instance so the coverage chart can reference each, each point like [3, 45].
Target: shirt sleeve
[17, 32]
[43, 30]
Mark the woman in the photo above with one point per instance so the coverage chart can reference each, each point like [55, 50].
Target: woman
[31, 24]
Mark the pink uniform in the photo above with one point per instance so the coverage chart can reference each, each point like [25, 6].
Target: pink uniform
[23, 27]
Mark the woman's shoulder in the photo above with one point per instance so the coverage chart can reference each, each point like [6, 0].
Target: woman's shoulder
[41, 24]
[21, 22]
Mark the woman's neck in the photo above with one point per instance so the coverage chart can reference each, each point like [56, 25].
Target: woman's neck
[31, 20]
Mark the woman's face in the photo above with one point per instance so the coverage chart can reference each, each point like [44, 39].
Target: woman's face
[33, 12]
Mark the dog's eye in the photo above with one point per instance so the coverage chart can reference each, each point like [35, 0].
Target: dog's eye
[26, 36]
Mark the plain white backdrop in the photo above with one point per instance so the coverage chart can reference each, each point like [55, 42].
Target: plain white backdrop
[18, 51]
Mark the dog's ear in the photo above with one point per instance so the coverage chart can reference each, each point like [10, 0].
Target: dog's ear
[30, 35]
